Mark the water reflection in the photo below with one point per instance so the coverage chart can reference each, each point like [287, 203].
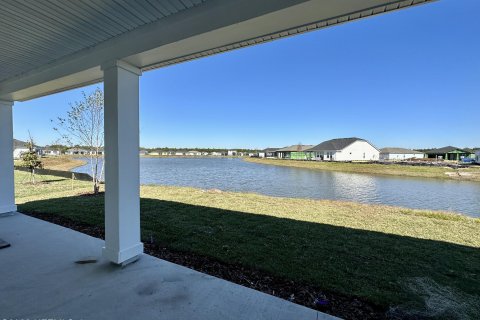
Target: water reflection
[238, 175]
[354, 187]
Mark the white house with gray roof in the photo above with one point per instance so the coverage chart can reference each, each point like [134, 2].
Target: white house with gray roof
[21, 147]
[396, 154]
[344, 149]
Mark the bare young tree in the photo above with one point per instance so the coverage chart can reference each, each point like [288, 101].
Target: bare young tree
[83, 126]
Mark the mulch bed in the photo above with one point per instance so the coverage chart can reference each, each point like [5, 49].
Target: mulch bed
[301, 293]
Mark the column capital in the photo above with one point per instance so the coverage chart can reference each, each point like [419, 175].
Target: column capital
[121, 64]
[6, 103]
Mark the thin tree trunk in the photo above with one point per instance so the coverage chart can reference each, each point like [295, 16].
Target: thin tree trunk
[102, 169]
[96, 174]
[93, 168]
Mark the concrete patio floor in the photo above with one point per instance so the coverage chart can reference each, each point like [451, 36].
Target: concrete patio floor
[40, 279]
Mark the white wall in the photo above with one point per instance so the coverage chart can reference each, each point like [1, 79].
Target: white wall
[477, 156]
[52, 153]
[400, 156]
[358, 151]
[327, 155]
[17, 153]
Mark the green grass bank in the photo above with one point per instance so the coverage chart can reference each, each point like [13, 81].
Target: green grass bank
[467, 174]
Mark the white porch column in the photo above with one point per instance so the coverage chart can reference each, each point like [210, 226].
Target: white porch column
[122, 164]
[7, 184]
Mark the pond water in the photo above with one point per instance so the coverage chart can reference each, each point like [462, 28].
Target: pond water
[233, 174]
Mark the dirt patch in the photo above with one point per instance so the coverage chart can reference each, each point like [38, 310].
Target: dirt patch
[437, 302]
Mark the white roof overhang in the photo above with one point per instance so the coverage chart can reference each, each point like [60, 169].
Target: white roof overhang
[196, 29]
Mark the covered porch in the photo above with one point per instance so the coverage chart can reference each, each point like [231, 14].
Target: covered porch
[47, 48]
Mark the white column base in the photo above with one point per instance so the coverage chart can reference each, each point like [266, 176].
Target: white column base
[8, 209]
[124, 256]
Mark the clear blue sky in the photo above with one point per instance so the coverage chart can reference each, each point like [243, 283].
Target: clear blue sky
[409, 79]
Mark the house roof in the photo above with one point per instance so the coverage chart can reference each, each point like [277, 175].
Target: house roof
[19, 144]
[445, 150]
[77, 149]
[295, 148]
[399, 151]
[54, 148]
[335, 144]
[270, 149]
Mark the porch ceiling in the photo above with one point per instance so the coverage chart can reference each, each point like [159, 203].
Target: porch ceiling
[34, 33]
[51, 46]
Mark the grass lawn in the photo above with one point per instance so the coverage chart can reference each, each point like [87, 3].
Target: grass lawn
[468, 174]
[393, 257]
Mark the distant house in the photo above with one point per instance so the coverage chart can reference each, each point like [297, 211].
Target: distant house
[295, 152]
[268, 153]
[232, 153]
[194, 153]
[180, 152]
[20, 147]
[477, 156]
[51, 152]
[471, 153]
[143, 153]
[77, 151]
[101, 151]
[448, 153]
[216, 153]
[400, 154]
[344, 149]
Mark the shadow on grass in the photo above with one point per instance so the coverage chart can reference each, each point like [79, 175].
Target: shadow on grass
[47, 181]
[382, 268]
